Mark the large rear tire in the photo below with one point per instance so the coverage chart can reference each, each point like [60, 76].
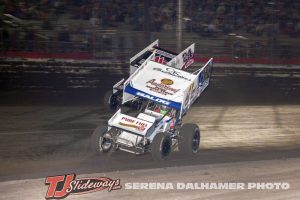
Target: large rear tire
[161, 147]
[100, 141]
[190, 139]
[111, 102]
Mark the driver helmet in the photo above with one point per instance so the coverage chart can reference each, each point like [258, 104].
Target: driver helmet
[163, 110]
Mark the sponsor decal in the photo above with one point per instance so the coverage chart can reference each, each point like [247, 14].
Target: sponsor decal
[205, 75]
[153, 98]
[166, 81]
[186, 101]
[165, 54]
[190, 95]
[63, 185]
[141, 126]
[172, 72]
[191, 87]
[201, 78]
[160, 59]
[188, 58]
[161, 88]
[193, 90]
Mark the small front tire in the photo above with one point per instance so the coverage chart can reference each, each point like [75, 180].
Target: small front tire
[101, 141]
[161, 147]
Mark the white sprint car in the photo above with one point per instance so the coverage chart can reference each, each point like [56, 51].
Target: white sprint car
[166, 92]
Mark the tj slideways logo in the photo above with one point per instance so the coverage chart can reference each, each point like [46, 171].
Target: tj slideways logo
[63, 185]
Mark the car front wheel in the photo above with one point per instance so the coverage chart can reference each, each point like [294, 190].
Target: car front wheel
[161, 147]
[101, 141]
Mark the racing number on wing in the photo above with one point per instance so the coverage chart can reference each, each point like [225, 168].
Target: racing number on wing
[186, 56]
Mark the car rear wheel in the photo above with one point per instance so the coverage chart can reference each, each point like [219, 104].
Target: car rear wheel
[190, 139]
[111, 102]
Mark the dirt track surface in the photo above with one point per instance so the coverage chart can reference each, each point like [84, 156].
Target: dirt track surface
[38, 141]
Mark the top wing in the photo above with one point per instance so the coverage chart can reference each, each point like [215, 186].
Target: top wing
[160, 83]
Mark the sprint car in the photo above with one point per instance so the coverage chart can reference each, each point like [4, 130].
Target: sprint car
[167, 92]
[113, 98]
